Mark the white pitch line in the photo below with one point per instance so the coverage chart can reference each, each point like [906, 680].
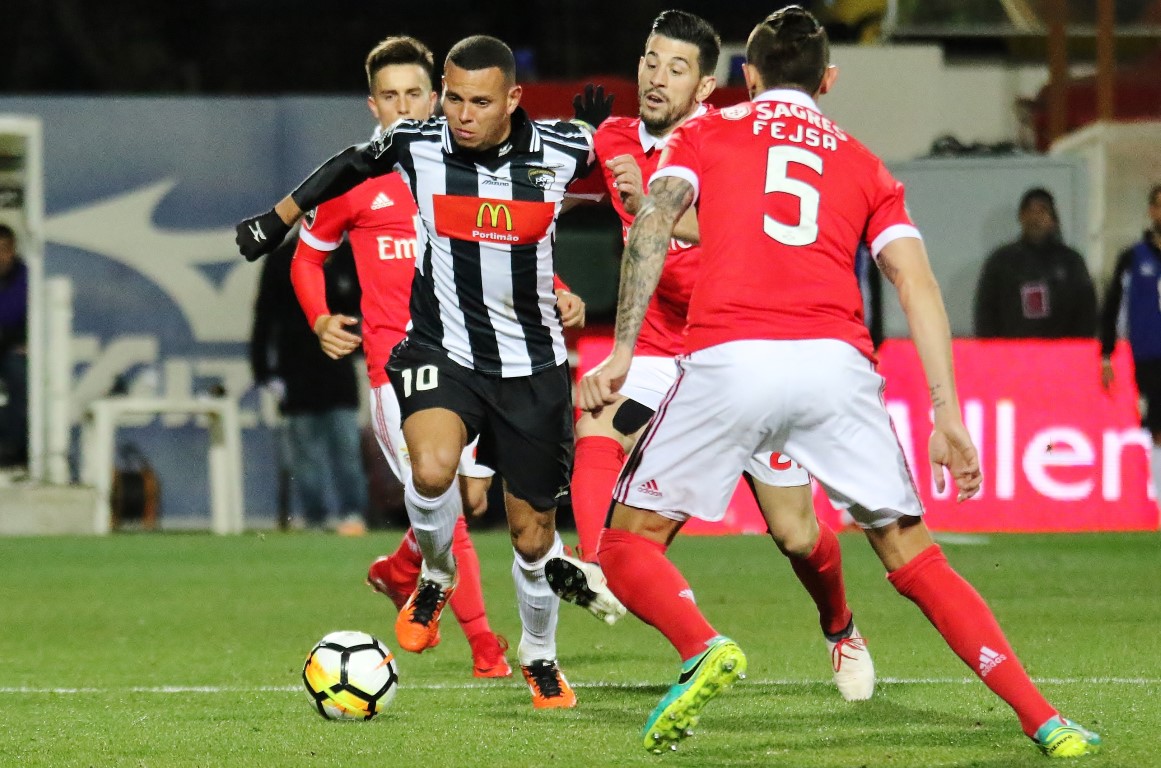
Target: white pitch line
[631, 685]
[969, 539]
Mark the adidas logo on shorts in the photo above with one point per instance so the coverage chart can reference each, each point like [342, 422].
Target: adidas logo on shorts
[989, 660]
[649, 488]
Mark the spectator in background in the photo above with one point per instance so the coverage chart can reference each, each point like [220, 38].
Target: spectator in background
[1035, 287]
[318, 396]
[13, 352]
[1137, 278]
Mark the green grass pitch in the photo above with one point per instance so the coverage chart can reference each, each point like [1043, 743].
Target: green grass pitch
[186, 650]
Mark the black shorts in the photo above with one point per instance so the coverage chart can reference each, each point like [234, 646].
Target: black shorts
[524, 422]
[1148, 375]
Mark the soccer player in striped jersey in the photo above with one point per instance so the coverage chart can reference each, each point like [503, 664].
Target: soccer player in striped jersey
[674, 77]
[778, 359]
[378, 217]
[485, 353]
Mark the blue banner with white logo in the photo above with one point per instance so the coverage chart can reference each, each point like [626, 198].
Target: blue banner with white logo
[141, 195]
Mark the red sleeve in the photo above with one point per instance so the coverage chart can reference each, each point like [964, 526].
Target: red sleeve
[322, 231]
[592, 187]
[323, 227]
[310, 286]
[889, 219]
[680, 157]
[558, 284]
[595, 186]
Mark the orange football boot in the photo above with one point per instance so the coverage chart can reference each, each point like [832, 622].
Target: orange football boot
[417, 625]
[550, 690]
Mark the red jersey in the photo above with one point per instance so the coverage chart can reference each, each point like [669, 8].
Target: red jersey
[784, 199]
[379, 218]
[663, 329]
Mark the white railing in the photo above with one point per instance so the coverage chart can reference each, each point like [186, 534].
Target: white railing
[58, 374]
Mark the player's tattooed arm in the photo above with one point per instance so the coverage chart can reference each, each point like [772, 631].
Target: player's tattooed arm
[627, 183]
[669, 197]
[904, 262]
[937, 399]
[687, 228]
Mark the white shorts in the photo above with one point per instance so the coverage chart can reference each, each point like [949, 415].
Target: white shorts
[388, 428]
[650, 378]
[735, 404]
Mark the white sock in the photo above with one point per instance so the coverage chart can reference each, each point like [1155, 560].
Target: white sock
[539, 607]
[1155, 462]
[434, 523]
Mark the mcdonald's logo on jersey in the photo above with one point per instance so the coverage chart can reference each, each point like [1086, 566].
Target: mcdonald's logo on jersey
[494, 210]
[487, 220]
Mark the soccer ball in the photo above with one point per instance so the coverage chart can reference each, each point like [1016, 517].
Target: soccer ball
[350, 676]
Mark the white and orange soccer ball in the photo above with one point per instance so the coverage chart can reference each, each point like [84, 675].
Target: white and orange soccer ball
[350, 676]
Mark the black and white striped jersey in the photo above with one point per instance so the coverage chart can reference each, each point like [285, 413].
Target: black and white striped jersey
[483, 289]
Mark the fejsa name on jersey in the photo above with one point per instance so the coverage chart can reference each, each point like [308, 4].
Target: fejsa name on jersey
[789, 122]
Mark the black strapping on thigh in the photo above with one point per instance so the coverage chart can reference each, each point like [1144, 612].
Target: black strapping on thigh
[631, 416]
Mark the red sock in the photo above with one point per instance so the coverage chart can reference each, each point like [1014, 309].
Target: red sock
[407, 559]
[968, 626]
[467, 602]
[650, 586]
[595, 469]
[821, 572]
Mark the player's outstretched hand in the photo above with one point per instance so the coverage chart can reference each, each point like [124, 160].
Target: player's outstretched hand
[333, 337]
[259, 235]
[572, 309]
[600, 385]
[591, 106]
[951, 446]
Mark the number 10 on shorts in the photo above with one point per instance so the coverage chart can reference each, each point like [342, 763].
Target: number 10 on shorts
[424, 377]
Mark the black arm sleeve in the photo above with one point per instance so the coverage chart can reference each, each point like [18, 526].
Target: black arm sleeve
[345, 171]
[1112, 304]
